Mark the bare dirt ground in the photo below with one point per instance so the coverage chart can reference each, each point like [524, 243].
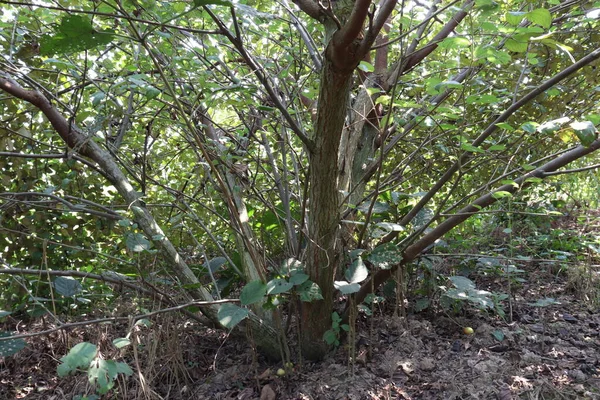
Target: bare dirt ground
[550, 352]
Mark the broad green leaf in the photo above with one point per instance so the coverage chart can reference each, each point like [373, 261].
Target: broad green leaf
[10, 347]
[378, 207]
[540, 16]
[298, 278]
[74, 34]
[448, 85]
[462, 282]
[357, 272]
[278, 286]
[366, 67]
[4, 313]
[253, 292]
[216, 263]
[497, 147]
[530, 127]
[137, 243]
[67, 286]
[501, 194]
[121, 342]
[346, 287]
[585, 131]
[515, 17]
[330, 337]
[230, 315]
[309, 291]
[518, 43]
[471, 148]
[454, 42]
[390, 226]
[80, 356]
[152, 92]
[103, 373]
[505, 126]
[385, 256]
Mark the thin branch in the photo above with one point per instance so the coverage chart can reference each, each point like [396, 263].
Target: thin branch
[112, 16]
[486, 200]
[72, 207]
[117, 319]
[381, 19]
[572, 171]
[594, 55]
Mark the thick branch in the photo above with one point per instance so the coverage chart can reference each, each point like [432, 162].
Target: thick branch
[311, 8]
[380, 20]
[494, 125]
[353, 26]
[446, 226]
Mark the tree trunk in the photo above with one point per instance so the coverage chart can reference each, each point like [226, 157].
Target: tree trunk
[324, 251]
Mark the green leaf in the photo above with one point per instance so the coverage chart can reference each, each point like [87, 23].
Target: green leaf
[497, 147]
[501, 194]
[366, 67]
[378, 207]
[298, 278]
[4, 313]
[253, 292]
[229, 315]
[518, 43]
[454, 42]
[585, 131]
[540, 16]
[498, 335]
[10, 347]
[346, 287]
[530, 127]
[80, 356]
[74, 34]
[103, 373]
[515, 17]
[505, 126]
[462, 282]
[119, 343]
[471, 148]
[67, 286]
[216, 263]
[385, 256]
[278, 286]
[137, 242]
[309, 291]
[357, 272]
[152, 92]
[448, 85]
[124, 368]
[330, 337]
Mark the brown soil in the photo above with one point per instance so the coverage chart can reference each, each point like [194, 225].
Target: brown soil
[550, 352]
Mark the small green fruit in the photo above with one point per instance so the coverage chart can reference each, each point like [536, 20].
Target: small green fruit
[281, 372]
[289, 365]
[468, 330]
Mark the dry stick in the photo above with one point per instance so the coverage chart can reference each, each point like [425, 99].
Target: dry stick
[412, 251]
